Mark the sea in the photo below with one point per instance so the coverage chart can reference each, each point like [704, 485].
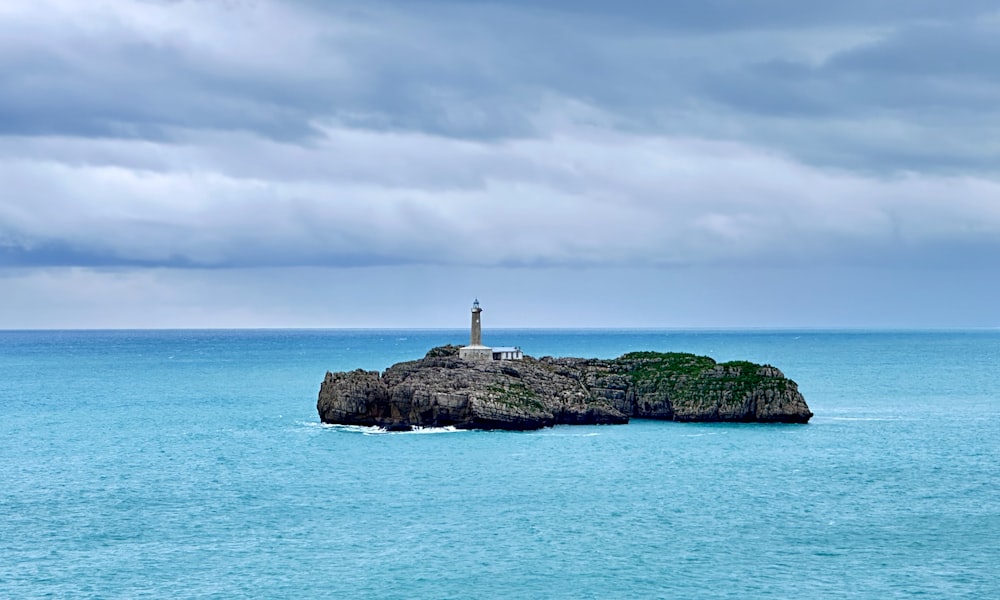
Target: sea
[192, 464]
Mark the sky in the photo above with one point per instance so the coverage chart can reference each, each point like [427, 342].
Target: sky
[571, 163]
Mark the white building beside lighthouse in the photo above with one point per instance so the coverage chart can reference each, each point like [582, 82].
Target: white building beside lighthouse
[477, 351]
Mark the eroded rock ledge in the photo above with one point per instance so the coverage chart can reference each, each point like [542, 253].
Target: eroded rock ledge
[444, 390]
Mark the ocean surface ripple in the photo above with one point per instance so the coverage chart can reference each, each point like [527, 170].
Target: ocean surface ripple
[192, 464]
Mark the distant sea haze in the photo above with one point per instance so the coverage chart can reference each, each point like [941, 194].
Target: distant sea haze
[193, 463]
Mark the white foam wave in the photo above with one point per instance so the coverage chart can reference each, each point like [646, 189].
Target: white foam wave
[347, 428]
[426, 430]
[414, 431]
[372, 430]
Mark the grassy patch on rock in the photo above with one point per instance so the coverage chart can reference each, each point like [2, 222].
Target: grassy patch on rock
[661, 365]
[691, 376]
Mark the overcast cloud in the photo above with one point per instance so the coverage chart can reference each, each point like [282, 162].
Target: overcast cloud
[174, 145]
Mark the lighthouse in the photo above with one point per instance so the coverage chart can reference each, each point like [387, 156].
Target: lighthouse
[476, 350]
[477, 327]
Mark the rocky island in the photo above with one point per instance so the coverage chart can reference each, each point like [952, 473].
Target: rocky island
[443, 389]
[479, 387]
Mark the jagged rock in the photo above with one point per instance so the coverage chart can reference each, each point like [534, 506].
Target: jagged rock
[442, 351]
[444, 390]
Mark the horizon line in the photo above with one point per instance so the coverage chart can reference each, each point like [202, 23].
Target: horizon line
[845, 329]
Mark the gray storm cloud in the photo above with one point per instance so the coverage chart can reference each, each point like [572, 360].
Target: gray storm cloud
[581, 196]
[519, 135]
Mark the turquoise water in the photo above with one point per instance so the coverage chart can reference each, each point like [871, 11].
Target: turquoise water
[192, 464]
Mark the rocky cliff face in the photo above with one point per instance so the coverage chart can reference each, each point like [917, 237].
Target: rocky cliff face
[444, 390]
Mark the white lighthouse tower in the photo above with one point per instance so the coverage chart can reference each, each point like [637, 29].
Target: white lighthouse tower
[476, 350]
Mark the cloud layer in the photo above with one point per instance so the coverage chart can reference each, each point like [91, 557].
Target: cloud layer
[584, 195]
[276, 134]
